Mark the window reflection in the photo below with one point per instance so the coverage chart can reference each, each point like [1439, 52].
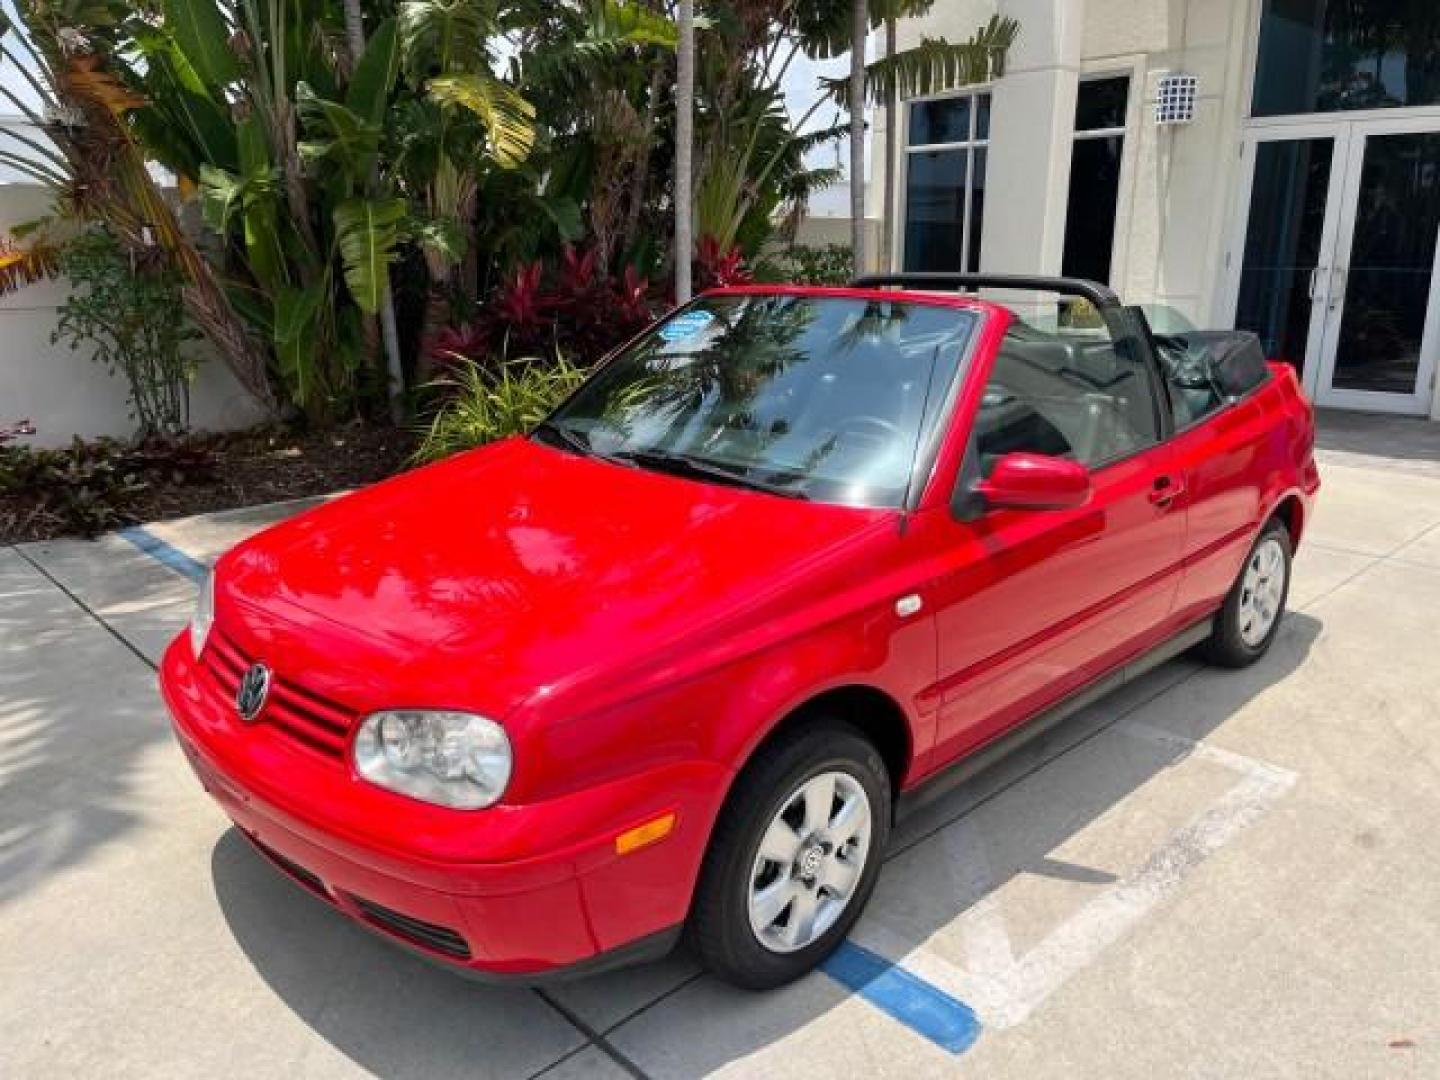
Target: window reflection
[945, 182]
[827, 398]
[1334, 55]
[1392, 264]
[1282, 244]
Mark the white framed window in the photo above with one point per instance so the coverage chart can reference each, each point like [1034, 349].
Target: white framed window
[947, 141]
[1096, 162]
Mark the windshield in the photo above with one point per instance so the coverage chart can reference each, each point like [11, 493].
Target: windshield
[824, 398]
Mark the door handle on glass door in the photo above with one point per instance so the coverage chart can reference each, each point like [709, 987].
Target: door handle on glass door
[1337, 287]
[1315, 273]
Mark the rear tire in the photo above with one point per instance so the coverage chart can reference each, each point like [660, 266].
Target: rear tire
[1247, 624]
[794, 856]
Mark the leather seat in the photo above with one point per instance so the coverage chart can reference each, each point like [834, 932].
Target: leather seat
[1045, 373]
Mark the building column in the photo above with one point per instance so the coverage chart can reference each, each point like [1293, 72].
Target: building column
[1031, 130]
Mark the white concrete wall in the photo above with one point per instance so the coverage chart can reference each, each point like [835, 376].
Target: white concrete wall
[1032, 120]
[1177, 185]
[1177, 197]
[63, 391]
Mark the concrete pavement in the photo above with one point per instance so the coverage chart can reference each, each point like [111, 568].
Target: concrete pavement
[1208, 874]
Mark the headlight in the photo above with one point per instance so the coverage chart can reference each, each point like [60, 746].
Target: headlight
[204, 616]
[449, 758]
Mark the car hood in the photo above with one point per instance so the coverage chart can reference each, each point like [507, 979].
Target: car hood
[517, 570]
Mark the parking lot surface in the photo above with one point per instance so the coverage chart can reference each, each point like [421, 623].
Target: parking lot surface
[1209, 873]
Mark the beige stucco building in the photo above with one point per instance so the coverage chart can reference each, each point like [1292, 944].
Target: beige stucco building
[1301, 199]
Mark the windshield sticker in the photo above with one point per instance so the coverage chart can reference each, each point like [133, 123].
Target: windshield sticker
[687, 326]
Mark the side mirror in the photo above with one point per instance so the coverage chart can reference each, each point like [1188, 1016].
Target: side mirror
[1035, 482]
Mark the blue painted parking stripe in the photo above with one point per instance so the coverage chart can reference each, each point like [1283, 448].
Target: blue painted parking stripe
[946, 1021]
[165, 553]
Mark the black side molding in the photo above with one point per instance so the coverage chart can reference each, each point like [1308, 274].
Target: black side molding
[945, 781]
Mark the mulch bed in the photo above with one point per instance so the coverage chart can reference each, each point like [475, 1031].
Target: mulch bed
[243, 469]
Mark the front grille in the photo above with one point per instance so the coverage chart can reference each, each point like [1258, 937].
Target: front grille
[310, 721]
[310, 880]
[440, 939]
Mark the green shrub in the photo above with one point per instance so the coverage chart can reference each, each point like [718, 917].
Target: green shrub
[829, 265]
[482, 404]
[133, 319]
[88, 487]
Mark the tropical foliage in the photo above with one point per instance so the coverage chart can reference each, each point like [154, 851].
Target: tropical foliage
[347, 194]
[128, 316]
[805, 265]
[483, 403]
[86, 488]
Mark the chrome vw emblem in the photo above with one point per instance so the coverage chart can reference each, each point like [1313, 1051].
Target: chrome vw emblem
[811, 861]
[254, 689]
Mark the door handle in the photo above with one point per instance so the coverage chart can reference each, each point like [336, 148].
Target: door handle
[1337, 287]
[1165, 491]
[1315, 272]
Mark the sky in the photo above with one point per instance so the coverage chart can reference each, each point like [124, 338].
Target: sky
[802, 87]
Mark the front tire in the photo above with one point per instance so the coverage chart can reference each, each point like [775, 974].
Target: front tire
[794, 857]
[1247, 624]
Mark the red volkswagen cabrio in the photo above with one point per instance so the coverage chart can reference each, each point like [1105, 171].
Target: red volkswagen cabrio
[785, 566]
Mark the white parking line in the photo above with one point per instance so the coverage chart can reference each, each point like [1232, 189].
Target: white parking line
[1004, 989]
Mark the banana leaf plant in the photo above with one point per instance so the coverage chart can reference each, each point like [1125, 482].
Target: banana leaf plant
[278, 129]
[82, 143]
[462, 122]
[928, 68]
[602, 74]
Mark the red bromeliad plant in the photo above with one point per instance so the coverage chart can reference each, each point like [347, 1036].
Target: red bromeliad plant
[632, 300]
[521, 305]
[580, 312]
[578, 270]
[456, 343]
[717, 268]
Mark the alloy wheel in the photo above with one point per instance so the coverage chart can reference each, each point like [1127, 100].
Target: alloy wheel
[810, 861]
[1262, 591]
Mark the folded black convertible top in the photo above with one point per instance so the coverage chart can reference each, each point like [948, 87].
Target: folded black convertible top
[1232, 362]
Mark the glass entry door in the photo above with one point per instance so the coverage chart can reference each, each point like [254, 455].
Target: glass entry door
[1381, 292]
[1337, 270]
[1288, 231]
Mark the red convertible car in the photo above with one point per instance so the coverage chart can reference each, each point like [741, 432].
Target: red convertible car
[784, 567]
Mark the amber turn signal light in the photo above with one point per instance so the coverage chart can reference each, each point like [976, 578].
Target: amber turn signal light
[644, 835]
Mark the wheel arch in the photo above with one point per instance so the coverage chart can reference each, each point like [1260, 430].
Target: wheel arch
[1290, 510]
[873, 711]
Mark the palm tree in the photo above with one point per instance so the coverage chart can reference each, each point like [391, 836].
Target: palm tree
[684, 147]
[932, 66]
[470, 122]
[887, 202]
[92, 162]
[859, 35]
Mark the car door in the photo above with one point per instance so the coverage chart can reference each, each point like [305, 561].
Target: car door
[1219, 459]
[1033, 604]
[1220, 447]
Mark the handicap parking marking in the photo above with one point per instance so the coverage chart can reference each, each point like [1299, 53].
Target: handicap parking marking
[165, 553]
[1003, 989]
[921, 1006]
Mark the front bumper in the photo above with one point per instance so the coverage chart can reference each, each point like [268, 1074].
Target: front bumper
[539, 901]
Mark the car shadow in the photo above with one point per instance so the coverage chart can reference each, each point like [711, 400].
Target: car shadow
[348, 985]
